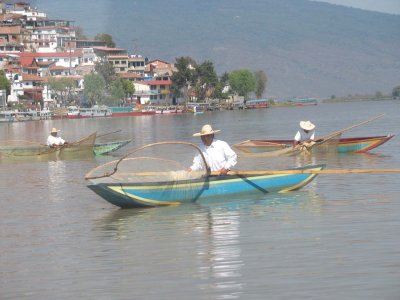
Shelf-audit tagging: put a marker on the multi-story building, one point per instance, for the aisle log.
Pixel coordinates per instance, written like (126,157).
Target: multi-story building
(136,64)
(22,8)
(10,38)
(51,35)
(119,62)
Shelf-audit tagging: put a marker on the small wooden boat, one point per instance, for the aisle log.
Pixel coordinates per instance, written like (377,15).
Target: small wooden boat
(157,193)
(343,145)
(105,148)
(28,148)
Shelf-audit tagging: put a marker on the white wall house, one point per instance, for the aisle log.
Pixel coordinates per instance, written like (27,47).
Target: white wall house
(142,92)
(63,59)
(21,83)
(89,58)
(44,39)
(31,14)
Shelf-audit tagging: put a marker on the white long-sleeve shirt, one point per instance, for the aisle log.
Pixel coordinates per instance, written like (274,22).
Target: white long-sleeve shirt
(218,155)
(54,140)
(302,136)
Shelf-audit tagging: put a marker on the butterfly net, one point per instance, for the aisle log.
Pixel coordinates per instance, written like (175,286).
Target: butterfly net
(327,144)
(84,144)
(22,148)
(32,148)
(165,165)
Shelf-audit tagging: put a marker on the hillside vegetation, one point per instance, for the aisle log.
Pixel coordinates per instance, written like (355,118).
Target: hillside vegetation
(307,49)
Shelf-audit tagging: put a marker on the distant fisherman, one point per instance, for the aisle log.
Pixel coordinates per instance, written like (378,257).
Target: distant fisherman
(53,140)
(305,135)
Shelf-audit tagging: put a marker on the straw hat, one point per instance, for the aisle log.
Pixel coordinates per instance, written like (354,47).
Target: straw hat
(54,130)
(307,125)
(206,130)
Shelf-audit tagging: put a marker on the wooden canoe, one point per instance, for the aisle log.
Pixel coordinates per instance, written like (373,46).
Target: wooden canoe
(150,194)
(18,148)
(344,145)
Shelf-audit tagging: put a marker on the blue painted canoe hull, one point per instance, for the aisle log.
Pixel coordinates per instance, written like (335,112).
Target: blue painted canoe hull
(127,195)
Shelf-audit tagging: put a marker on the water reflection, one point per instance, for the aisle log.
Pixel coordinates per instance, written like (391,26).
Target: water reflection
(218,253)
(207,236)
(57,175)
(341,160)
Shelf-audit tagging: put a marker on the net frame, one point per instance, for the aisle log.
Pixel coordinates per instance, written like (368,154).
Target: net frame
(90,175)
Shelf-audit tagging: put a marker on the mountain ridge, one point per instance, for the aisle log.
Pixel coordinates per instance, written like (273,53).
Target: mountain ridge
(307,49)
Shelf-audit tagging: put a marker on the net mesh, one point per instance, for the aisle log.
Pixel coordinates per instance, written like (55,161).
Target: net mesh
(23,148)
(159,162)
(160,167)
(31,148)
(84,144)
(328,144)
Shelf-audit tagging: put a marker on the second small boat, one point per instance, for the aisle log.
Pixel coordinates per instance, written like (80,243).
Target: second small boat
(343,145)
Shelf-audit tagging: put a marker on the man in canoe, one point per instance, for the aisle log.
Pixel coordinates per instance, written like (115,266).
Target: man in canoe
(219,155)
(54,140)
(306,135)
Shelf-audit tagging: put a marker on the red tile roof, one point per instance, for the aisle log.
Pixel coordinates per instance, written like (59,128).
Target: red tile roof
(108,49)
(58,68)
(50,54)
(129,75)
(10,29)
(117,56)
(31,77)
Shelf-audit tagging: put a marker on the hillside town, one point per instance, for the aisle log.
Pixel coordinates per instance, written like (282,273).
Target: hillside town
(46,61)
(34,48)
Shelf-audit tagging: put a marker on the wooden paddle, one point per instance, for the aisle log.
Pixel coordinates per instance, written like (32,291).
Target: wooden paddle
(330,136)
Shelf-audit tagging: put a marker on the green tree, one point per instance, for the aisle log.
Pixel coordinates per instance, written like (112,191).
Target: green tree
(224,78)
(106,70)
(206,80)
(4,83)
(107,38)
(79,33)
(222,82)
(396,91)
(183,77)
(242,82)
(62,86)
(261,83)
(117,91)
(94,88)
(129,88)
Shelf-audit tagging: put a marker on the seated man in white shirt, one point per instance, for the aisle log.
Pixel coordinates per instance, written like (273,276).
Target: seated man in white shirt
(306,135)
(53,140)
(218,154)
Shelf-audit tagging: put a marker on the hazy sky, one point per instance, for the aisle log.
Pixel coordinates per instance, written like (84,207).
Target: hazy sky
(386,6)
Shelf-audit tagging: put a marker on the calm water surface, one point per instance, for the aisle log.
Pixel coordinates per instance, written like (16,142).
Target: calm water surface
(337,238)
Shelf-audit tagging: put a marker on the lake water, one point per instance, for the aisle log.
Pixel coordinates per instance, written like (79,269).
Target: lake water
(337,238)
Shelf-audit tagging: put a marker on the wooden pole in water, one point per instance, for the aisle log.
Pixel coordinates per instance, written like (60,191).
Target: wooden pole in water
(310,171)
(266,172)
(336,133)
